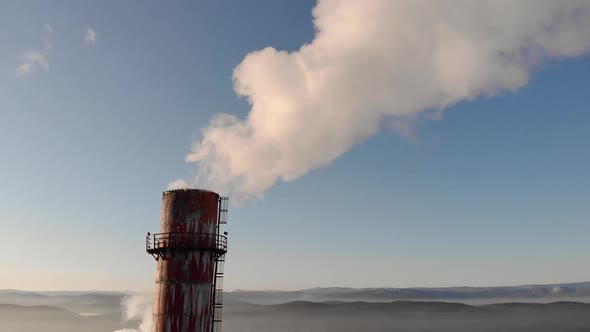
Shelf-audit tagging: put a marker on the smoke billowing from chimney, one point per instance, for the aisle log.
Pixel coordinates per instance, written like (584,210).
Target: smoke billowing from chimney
(370,61)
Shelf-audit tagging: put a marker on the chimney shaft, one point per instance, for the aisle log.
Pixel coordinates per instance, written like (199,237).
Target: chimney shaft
(188,249)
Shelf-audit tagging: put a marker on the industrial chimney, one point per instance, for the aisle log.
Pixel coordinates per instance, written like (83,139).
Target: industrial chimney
(190,252)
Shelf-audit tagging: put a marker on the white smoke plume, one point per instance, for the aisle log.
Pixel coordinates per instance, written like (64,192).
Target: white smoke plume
(373,61)
(137,307)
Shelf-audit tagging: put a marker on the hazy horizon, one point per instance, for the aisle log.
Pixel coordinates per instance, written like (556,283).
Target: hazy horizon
(526,308)
(299,289)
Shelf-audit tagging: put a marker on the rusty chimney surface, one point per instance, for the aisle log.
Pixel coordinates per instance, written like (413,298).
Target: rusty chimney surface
(190,252)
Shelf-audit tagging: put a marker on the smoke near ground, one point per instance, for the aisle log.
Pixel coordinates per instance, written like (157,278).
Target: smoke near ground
(375,63)
(137,307)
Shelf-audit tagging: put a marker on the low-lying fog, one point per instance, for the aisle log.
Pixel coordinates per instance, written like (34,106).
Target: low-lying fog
(542,308)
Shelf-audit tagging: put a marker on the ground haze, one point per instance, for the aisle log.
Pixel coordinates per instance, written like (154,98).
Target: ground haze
(560,307)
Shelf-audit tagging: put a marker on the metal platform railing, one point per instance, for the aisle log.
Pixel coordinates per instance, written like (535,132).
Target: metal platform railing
(183,240)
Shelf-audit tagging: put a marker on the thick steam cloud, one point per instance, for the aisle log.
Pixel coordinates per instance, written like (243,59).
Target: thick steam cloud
(373,61)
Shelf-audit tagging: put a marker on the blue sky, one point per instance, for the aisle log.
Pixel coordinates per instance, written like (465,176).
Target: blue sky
(493,193)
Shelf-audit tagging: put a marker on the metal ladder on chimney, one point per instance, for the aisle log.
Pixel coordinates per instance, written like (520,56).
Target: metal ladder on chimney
(218,296)
(219,266)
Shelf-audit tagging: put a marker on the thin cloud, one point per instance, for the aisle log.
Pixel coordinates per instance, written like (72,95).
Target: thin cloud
(24,69)
(48,37)
(90,37)
(32,60)
(49,28)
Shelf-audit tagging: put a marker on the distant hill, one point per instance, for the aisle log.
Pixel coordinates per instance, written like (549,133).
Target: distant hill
(396,307)
(407,316)
(78,302)
(330,316)
(13,308)
(548,293)
(107,302)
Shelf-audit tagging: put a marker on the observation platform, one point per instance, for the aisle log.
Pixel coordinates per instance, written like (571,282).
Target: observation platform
(164,245)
